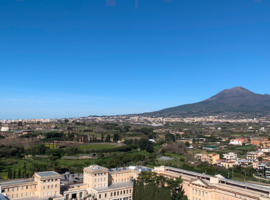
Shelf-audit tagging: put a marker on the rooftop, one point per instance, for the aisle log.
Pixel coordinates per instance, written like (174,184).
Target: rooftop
(116,185)
(16,182)
(50,173)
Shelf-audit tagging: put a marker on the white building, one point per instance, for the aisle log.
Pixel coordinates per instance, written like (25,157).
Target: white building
(235,142)
(230,156)
(4,129)
(267,150)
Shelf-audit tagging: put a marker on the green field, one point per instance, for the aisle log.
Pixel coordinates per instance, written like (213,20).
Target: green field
(240,134)
(246,147)
(97,146)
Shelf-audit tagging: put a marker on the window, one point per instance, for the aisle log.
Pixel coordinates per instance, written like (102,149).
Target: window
(114,193)
(100,196)
(35,192)
(95,180)
(17,188)
(105,194)
(44,194)
(55,185)
(17,195)
(21,194)
(30,193)
(48,193)
(51,186)
(26,194)
(52,193)
(26,187)
(48,187)
(43,187)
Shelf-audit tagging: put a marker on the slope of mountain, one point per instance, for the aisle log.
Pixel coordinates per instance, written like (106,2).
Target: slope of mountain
(237,99)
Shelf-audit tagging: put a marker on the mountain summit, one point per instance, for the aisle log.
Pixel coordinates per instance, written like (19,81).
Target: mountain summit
(237,99)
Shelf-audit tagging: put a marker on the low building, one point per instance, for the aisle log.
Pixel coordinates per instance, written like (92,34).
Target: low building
(4,128)
(258,141)
(204,187)
(228,164)
(230,156)
(99,183)
(212,158)
(235,142)
(201,157)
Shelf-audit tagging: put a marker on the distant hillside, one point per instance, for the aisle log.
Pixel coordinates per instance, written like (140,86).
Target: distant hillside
(236,100)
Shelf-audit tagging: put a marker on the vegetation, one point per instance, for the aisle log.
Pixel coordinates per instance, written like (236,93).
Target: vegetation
(152,186)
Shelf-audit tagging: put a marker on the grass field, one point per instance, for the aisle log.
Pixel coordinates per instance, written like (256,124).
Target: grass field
(240,134)
(246,147)
(97,146)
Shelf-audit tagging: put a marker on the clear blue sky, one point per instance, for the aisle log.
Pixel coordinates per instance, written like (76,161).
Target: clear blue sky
(71,58)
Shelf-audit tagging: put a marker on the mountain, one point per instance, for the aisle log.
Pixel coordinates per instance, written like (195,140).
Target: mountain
(234,100)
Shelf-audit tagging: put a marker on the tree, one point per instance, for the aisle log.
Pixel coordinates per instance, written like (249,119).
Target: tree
(115,137)
(187,144)
(149,148)
(14,174)
(66,120)
(102,137)
(108,138)
(19,173)
(260,159)
(9,173)
(170,137)
(152,186)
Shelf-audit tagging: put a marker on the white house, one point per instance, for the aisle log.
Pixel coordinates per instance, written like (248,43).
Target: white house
(267,150)
(230,156)
(4,129)
(235,142)
(152,140)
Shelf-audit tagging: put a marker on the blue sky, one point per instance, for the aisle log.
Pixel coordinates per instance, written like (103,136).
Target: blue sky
(71,58)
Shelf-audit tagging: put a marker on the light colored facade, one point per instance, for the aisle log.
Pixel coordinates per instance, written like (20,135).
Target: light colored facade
(42,185)
(230,156)
(235,142)
(227,164)
(4,129)
(119,185)
(99,183)
(212,158)
(204,187)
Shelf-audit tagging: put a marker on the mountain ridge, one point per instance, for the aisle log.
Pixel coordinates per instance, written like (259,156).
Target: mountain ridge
(235,100)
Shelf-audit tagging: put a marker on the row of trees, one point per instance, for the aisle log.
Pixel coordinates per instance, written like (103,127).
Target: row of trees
(13,174)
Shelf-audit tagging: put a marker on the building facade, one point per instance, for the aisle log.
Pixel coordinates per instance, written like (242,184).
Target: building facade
(101,183)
